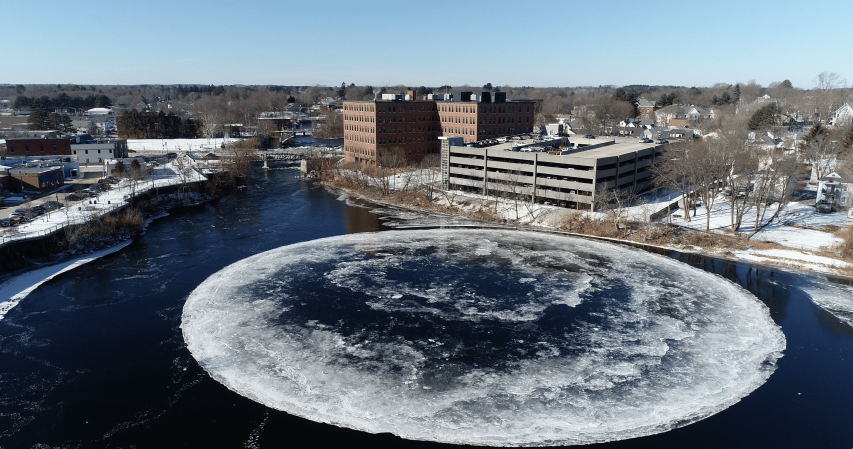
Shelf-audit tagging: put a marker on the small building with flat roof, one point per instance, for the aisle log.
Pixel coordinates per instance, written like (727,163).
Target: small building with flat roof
(36,178)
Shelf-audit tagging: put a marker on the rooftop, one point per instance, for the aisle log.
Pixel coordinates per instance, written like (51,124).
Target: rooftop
(34,169)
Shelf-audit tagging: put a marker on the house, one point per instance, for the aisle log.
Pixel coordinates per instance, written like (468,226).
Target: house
(629,127)
(681,115)
(836,189)
(680,133)
(646,108)
(843,116)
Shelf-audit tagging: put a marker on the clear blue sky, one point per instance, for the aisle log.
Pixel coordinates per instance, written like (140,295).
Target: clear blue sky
(521,43)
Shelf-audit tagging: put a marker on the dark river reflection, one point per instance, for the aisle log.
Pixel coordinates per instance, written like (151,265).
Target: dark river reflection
(96,358)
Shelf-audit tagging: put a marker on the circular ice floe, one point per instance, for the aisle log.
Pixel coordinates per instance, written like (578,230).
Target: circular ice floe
(481,337)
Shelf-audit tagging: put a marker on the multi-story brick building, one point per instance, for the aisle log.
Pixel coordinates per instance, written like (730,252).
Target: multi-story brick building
(372,128)
(646,109)
(37,146)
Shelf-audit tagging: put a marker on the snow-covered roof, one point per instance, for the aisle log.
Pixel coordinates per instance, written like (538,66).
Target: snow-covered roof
(99,111)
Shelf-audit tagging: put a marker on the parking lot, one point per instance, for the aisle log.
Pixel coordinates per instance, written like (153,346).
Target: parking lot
(75,193)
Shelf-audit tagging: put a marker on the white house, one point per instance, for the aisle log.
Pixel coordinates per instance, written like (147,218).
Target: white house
(843,116)
(836,189)
(681,115)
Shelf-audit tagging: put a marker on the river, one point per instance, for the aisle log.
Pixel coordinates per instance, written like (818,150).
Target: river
(96,358)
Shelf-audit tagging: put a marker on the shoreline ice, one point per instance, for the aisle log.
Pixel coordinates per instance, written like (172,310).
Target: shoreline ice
(14,290)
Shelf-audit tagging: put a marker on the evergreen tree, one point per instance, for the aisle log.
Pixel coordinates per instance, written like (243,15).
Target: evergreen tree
(21,102)
(38,120)
(817,132)
(764,117)
(736,98)
(120,169)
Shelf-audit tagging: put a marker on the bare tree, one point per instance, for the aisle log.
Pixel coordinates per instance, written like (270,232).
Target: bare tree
(676,171)
(429,174)
(742,179)
(774,186)
(613,202)
(388,164)
(332,127)
(710,166)
(827,94)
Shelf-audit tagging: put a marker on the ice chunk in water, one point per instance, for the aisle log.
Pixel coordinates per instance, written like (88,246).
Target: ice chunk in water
(424,335)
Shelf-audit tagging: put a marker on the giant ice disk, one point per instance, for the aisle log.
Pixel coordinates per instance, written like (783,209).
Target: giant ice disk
(481,337)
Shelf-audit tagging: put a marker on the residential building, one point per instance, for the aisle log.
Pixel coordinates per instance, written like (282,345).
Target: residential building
(38,146)
(843,116)
(96,151)
(680,115)
(646,109)
(570,177)
(633,127)
(413,126)
(836,189)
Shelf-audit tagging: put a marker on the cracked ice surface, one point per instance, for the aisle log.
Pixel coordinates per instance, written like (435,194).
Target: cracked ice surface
(481,337)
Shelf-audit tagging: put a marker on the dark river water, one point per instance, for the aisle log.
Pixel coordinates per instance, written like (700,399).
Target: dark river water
(96,357)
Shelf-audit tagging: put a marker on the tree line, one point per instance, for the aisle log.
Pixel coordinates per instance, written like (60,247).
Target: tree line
(42,120)
(62,100)
(148,124)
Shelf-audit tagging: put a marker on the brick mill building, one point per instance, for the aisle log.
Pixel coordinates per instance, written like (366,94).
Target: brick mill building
(38,146)
(412,126)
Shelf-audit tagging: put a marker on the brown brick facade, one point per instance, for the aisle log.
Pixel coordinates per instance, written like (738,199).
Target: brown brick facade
(374,127)
(21,147)
(41,179)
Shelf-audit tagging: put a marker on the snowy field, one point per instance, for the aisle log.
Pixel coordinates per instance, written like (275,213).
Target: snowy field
(798,224)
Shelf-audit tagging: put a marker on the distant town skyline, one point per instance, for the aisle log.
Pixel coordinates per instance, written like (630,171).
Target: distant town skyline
(383,43)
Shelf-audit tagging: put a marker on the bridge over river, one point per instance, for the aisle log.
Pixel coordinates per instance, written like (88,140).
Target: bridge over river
(297,153)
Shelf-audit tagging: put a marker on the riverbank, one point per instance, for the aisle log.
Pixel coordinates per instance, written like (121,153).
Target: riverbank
(18,286)
(631,229)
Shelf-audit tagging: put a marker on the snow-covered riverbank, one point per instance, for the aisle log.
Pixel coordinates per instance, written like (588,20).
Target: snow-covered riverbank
(17,288)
